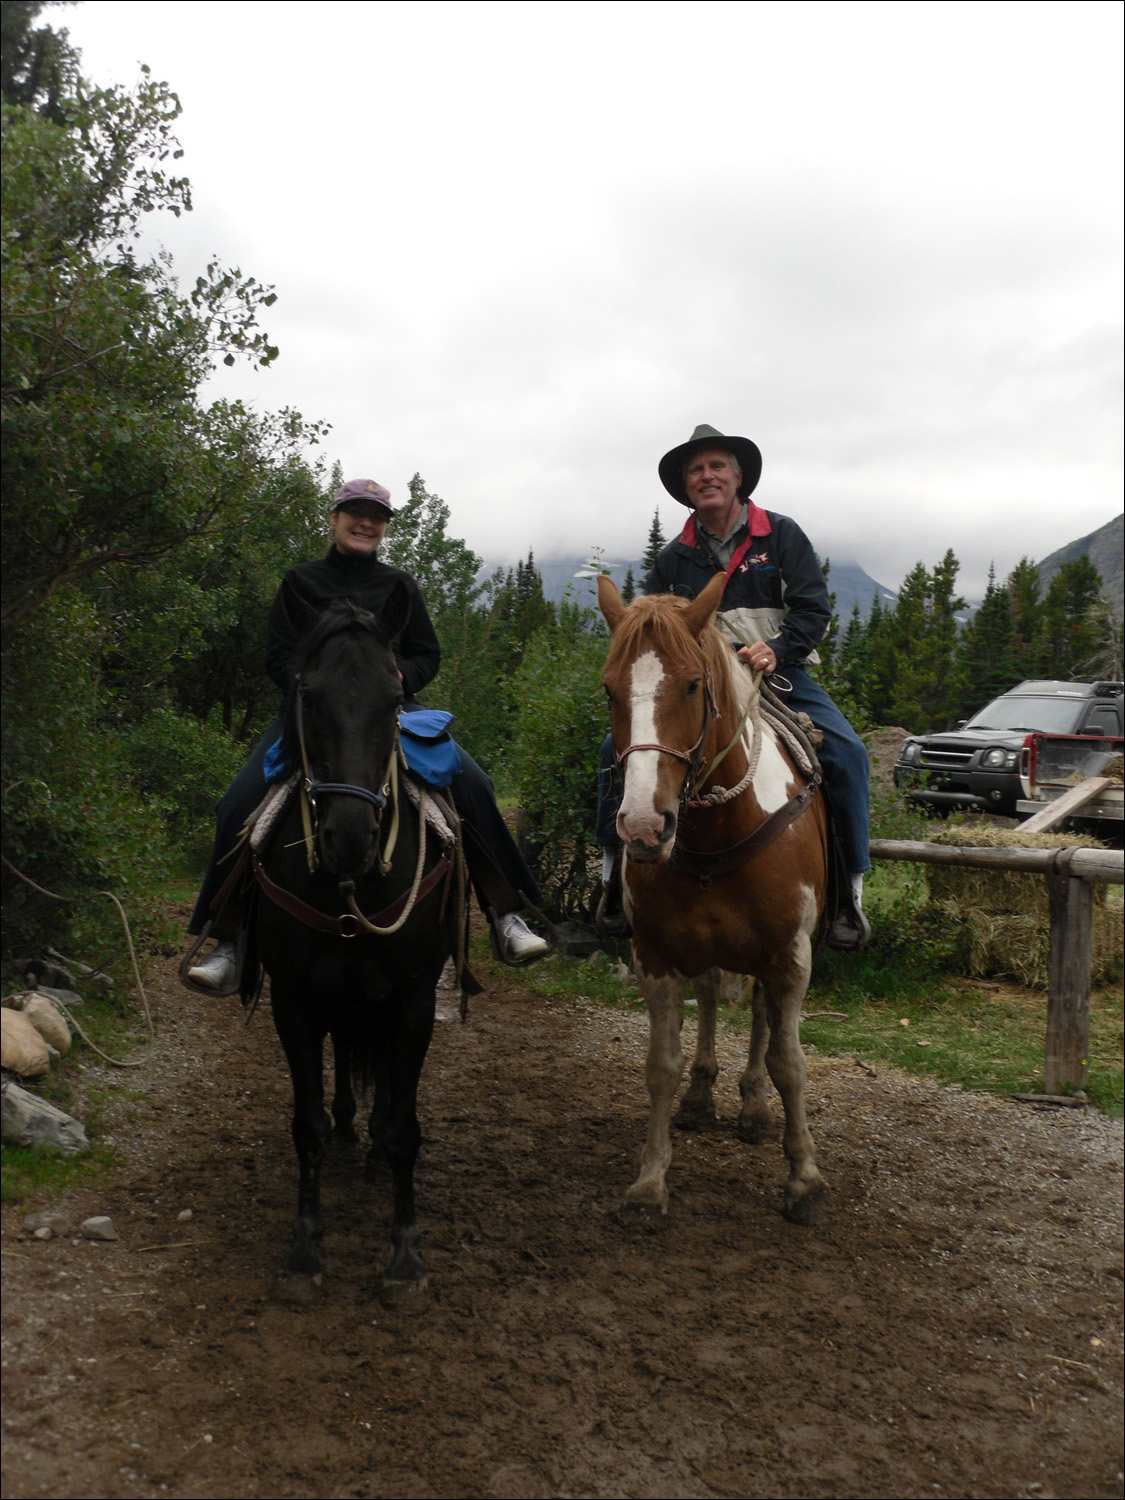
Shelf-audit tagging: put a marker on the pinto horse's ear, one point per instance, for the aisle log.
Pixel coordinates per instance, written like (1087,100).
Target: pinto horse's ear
(704,605)
(609,601)
(394,611)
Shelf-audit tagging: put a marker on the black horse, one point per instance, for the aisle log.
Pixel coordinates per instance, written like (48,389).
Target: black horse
(349,855)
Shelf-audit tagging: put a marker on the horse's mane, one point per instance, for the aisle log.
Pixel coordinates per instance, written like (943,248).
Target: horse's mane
(340,616)
(656,621)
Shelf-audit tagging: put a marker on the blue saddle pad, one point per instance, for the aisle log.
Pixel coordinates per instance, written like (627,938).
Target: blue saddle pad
(427,745)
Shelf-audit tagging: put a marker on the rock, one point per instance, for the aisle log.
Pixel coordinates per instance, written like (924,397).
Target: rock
(100,1227)
(184,1216)
(31,1121)
(70,998)
(576,940)
(89,976)
(43,1234)
(51,1221)
(40,973)
(22,1049)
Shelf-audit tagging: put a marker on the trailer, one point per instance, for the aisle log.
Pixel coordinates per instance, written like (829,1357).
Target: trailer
(1073,781)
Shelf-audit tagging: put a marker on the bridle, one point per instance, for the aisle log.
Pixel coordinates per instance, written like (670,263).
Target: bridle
(312,789)
(694,758)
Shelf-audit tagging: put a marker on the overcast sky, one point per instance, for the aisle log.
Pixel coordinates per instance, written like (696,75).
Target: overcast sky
(523,249)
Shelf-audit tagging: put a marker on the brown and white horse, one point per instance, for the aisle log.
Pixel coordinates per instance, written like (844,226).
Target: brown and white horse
(726,847)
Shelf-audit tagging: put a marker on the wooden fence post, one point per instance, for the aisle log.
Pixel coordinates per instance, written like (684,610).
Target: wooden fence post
(1068,986)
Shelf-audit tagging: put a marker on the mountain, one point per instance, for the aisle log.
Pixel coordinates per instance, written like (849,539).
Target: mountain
(1104,549)
(846,580)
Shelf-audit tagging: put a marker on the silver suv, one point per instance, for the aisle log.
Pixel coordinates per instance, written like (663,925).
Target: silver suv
(977,766)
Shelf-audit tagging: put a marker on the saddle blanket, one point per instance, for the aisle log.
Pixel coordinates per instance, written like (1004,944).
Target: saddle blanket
(427,747)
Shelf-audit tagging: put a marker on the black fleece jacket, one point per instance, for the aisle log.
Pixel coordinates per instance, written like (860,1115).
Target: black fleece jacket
(366,582)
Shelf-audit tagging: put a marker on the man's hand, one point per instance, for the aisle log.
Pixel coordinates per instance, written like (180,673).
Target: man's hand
(759,657)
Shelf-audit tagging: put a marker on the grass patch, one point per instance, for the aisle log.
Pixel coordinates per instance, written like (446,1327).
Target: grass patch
(978,1034)
(902,1001)
(35,1175)
(39,1174)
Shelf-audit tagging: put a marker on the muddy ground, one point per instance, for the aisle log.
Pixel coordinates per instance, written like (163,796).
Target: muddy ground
(955,1329)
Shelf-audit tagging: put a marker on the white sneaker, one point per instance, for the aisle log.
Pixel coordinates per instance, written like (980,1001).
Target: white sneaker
(515,941)
(219,971)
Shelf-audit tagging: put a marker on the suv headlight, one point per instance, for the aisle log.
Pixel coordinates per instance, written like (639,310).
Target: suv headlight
(996,759)
(911,753)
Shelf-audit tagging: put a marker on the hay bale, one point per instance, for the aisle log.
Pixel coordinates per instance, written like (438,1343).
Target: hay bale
(999,891)
(1005,914)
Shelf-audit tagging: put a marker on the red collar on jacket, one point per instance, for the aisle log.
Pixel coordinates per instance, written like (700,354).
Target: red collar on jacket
(757,524)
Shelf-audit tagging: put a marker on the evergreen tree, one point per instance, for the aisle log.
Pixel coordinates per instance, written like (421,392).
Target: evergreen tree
(655,545)
(629,587)
(882,663)
(826,647)
(1069,628)
(850,677)
(986,655)
(1025,610)
(940,697)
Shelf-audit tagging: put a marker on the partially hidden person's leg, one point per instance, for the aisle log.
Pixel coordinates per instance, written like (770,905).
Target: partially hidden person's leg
(497,869)
(847,776)
(218,971)
(610,919)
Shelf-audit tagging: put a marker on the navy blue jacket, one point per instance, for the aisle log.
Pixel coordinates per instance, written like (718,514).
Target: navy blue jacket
(775,590)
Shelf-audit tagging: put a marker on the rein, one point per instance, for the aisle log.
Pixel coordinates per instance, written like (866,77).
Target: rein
(693,758)
(312,789)
(350,924)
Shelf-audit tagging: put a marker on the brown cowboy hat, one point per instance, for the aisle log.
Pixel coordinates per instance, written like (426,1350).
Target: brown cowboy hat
(672,464)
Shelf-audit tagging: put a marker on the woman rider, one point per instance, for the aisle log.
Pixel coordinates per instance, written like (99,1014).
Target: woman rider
(351,569)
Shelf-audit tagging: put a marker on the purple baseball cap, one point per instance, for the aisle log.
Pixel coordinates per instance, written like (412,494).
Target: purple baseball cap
(362,489)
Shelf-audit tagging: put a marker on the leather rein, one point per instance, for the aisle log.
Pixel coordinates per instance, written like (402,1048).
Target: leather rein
(707,865)
(693,758)
(353,923)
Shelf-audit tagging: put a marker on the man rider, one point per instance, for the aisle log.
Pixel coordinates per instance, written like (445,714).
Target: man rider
(776,602)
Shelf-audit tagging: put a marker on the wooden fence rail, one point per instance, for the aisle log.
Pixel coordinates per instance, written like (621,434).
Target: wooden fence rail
(1071,875)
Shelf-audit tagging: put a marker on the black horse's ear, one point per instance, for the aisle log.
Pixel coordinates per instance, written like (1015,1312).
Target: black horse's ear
(395,610)
(299,612)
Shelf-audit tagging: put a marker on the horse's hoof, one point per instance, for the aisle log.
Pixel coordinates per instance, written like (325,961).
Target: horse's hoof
(757,1130)
(810,1207)
(692,1116)
(406,1296)
(636,1206)
(300,1290)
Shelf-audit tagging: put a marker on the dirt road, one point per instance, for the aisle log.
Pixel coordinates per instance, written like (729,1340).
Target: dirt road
(954,1330)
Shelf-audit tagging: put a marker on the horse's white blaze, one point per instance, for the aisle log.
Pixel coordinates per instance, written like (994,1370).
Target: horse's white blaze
(638,818)
(772,779)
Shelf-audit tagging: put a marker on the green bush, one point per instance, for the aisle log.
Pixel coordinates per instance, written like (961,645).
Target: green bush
(73,821)
(560,725)
(183,767)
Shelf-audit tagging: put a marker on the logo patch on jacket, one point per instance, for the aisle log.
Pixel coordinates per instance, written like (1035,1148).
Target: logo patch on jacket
(755,560)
